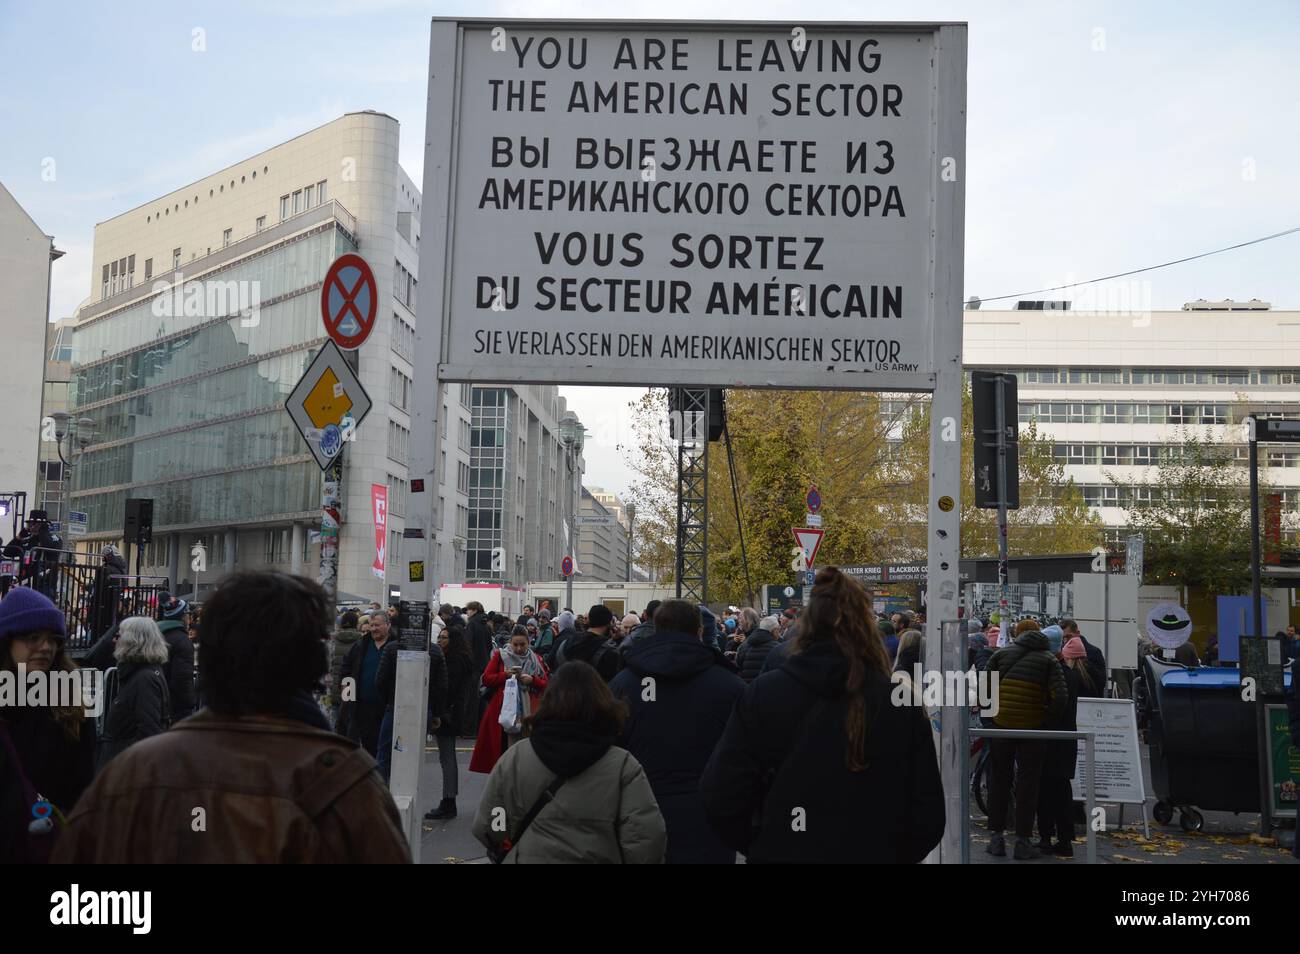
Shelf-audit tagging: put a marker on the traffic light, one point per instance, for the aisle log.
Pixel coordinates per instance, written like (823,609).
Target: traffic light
(984,396)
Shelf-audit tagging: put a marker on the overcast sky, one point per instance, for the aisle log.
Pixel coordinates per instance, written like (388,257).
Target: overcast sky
(1101,136)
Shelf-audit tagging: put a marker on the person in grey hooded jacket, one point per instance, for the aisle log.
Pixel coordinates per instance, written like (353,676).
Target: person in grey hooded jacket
(595,805)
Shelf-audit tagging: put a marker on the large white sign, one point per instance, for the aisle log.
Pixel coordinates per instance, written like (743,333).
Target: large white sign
(1118,759)
(646,203)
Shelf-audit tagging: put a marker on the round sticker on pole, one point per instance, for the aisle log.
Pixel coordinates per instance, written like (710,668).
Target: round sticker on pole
(1169,626)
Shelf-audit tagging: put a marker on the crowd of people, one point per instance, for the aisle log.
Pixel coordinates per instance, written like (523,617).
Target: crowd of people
(674,735)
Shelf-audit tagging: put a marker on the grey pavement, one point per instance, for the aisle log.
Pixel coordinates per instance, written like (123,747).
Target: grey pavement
(450,842)
(1225,839)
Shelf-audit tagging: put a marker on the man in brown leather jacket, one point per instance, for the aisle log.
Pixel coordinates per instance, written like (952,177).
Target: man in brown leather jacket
(256,775)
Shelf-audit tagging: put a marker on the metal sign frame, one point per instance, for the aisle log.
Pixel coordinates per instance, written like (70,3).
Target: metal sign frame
(946,110)
(945,215)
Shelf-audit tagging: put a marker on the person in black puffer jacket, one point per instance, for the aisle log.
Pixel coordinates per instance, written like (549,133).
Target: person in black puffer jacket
(1031,694)
(593,646)
(754,651)
(672,730)
(140,707)
(174,626)
(818,739)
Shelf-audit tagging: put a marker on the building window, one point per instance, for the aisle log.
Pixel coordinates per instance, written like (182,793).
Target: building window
(261,222)
(176,259)
(462,477)
(308,194)
(275,545)
(148,269)
(103,293)
(442,478)
(320,192)
(284,207)
(394,549)
(297,202)
(464,435)
(130,271)
(225,237)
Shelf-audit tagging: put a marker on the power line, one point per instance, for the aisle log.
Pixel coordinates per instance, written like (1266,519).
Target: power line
(1149,268)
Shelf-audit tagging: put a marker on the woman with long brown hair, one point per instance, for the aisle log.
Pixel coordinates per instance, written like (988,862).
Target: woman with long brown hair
(817,764)
(47,752)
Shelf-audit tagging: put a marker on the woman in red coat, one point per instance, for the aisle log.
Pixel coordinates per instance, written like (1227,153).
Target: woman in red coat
(516,660)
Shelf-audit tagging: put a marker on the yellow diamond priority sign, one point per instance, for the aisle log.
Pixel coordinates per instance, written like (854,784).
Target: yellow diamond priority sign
(328,404)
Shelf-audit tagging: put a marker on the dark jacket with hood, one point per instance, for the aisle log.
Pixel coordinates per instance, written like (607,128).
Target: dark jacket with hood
(140,708)
(643,631)
(179,668)
(783,758)
(480,641)
(598,649)
(673,735)
(1031,689)
(753,653)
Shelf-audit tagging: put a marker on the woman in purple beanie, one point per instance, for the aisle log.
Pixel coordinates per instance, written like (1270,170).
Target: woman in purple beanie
(47,752)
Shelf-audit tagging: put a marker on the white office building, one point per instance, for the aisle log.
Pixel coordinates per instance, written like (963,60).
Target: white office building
(186,406)
(26,254)
(1113,391)
(602,542)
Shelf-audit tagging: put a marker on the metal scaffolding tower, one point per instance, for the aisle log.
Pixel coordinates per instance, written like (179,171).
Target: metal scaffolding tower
(689,409)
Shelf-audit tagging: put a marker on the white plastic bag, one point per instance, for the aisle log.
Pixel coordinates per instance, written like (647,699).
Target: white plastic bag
(509,718)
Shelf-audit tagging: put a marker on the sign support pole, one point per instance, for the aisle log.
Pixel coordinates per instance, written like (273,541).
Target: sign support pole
(418,576)
(330,529)
(1004,605)
(945,490)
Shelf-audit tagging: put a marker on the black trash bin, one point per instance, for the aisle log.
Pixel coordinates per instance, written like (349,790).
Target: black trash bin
(1202,740)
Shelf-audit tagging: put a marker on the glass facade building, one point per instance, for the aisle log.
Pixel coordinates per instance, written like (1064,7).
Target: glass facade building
(188,399)
(487,483)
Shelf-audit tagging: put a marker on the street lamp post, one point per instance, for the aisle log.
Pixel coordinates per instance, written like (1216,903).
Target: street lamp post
(571,434)
(631,522)
(79,433)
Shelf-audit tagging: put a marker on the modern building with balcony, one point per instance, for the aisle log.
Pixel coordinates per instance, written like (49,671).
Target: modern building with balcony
(204,313)
(603,543)
(1117,393)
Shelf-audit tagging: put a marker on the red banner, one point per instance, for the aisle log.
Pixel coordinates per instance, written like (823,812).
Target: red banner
(379,505)
(1273,528)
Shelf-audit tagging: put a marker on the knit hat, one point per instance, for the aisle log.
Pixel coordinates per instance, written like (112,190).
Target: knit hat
(1073,649)
(1054,636)
(178,607)
(975,628)
(731,625)
(24,610)
(1026,626)
(631,621)
(564,621)
(769,623)
(599,615)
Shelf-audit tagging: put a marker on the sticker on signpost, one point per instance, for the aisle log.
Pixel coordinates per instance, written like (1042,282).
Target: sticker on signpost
(328,404)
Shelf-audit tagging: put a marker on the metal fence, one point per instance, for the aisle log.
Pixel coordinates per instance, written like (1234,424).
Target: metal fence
(91,600)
